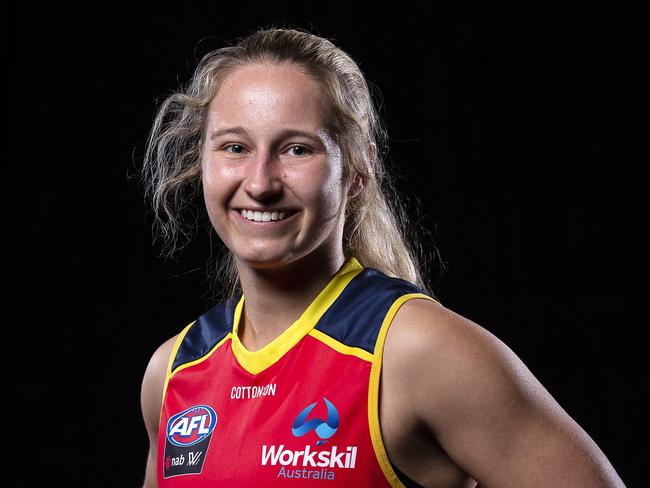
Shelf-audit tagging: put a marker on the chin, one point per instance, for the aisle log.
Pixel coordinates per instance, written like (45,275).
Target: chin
(260,260)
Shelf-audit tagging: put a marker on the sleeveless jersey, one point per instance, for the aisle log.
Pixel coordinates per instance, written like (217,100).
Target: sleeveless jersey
(301,410)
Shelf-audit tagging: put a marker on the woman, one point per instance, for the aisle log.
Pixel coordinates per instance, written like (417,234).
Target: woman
(330,361)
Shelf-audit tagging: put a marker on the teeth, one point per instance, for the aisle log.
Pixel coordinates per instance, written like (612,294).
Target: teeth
(258,216)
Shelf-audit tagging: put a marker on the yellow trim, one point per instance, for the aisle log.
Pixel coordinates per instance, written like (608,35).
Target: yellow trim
(170,361)
(202,358)
(256,361)
(340,347)
(373,391)
(183,366)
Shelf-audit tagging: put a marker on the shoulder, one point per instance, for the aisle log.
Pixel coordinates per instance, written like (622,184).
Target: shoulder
(153,383)
(151,402)
(483,405)
(456,366)
(157,366)
(423,327)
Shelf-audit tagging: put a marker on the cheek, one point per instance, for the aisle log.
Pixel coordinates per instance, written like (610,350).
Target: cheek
(218,185)
(218,182)
(332,194)
(325,189)
(332,183)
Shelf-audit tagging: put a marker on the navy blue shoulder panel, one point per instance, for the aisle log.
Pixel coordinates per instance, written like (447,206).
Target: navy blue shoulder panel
(355,318)
(206,332)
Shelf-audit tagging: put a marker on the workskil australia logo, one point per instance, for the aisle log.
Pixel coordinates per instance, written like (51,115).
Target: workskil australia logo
(188,437)
(311,463)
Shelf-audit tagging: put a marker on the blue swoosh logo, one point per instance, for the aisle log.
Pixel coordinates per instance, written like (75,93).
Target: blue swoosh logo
(324,428)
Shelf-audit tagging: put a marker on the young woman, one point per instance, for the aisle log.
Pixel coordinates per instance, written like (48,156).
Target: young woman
(330,364)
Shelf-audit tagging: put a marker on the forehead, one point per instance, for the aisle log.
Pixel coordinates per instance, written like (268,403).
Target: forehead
(269,93)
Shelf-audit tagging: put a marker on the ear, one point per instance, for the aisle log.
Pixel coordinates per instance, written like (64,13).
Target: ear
(372,151)
(356,186)
(358,181)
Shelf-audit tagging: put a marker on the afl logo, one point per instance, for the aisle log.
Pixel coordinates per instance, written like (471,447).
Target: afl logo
(191,426)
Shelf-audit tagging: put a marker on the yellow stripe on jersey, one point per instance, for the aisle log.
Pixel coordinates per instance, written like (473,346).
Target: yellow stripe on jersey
(340,347)
(172,356)
(373,390)
(201,359)
(257,361)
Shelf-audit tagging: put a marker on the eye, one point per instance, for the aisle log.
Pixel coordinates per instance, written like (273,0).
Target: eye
(298,151)
(235,149)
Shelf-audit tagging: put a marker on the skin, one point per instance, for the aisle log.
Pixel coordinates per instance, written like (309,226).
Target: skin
(477,414)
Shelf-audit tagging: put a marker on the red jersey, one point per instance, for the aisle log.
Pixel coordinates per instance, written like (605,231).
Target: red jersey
(301,410)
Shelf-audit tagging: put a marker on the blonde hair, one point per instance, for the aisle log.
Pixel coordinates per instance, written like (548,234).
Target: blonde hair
(375,230)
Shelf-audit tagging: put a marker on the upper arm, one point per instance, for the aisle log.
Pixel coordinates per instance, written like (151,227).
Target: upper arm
(151,396)
(486,409)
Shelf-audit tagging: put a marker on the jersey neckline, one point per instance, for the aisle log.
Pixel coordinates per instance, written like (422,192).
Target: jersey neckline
(257,361)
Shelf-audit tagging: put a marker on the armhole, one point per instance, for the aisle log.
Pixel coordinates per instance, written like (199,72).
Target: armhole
(170,362)
(373,391)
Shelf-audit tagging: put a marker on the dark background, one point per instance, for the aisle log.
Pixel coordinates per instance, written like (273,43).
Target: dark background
(523,132)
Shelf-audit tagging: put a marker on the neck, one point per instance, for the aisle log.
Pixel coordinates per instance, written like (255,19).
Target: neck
(277,297)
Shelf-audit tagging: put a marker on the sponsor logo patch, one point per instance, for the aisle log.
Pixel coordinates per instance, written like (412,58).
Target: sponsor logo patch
(310,463)
(187,440)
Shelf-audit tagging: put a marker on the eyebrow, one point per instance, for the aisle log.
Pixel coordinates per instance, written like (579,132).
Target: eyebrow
(283,134)
(228,130)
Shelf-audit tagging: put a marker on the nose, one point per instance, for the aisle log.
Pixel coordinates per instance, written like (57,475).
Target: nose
(263,180)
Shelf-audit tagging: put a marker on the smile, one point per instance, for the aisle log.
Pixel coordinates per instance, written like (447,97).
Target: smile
(257,216)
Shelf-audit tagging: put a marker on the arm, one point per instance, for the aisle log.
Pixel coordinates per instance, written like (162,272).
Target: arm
(485,408)
(151,402)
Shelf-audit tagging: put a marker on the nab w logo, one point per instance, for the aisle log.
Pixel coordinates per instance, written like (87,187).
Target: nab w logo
(193,458)
(323,428)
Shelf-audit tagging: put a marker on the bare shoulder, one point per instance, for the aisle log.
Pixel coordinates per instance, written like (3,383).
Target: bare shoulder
(153,383)
(421,320)
(445,354)
(484,406)
(426,330)
(151,396)
(459,369)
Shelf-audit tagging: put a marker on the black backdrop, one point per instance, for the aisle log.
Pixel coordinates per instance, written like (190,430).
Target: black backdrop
(523,133)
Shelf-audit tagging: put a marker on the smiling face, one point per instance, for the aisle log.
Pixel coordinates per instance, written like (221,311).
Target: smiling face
(272,177)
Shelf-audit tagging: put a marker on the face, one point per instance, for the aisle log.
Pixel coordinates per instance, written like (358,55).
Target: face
(272,177)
